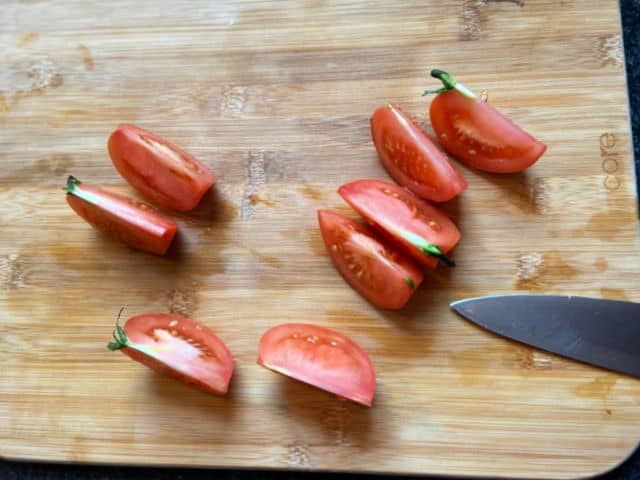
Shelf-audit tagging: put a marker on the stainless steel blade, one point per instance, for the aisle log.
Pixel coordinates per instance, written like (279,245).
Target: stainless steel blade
(600,332)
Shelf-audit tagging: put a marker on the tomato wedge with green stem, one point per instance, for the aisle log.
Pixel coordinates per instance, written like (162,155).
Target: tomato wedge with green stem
(477,133)
(177,347)
(374,268)
(129,221)
(321,357)
(418,227)
(159,170)
(412,158)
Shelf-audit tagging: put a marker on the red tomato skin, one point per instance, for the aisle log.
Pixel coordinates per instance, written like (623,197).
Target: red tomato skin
(159,170)
(411,158)
(300,362)
(390,207)
(383,281)
(140,329)
(129,221)
(481,136)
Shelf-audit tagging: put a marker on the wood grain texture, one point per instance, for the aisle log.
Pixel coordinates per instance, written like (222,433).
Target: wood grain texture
(275,97)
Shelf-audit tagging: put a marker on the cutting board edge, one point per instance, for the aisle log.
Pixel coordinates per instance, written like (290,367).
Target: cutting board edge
(37,458)
(43,458)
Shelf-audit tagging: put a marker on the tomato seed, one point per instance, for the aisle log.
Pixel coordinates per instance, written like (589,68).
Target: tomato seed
(435,225)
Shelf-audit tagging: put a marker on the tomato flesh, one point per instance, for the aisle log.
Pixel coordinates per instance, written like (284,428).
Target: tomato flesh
(320,357)
(159,170)
(129,221)
(411,157)
(407,220)
(180,348)
(481,136)
(374,268)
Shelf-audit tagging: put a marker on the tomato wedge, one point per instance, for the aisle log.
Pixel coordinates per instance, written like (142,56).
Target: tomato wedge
(134,223)
(159,170)
(177,347)
(320,357)
(411,157)
(421,229)
(478,134)
(375,269)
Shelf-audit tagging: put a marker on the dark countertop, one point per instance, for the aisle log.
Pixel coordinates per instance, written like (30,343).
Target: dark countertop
(630,470)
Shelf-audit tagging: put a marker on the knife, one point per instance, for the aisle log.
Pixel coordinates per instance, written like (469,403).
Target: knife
(600,332)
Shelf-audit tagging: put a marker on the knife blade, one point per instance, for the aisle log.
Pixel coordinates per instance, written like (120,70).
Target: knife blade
(600,332)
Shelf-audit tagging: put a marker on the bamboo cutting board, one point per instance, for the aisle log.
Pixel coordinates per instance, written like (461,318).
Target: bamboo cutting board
(275,97)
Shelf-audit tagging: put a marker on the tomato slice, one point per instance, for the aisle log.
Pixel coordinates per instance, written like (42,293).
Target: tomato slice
(421,229)
(375,269)
(411,157)
(177,347)
(129,221)
(159,170)
(320,357)
(478,134)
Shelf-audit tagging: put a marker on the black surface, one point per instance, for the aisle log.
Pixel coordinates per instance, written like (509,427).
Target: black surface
(630,470)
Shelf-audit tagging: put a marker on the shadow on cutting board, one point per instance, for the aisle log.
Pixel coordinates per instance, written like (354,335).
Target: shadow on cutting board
(173,393)
(335,420)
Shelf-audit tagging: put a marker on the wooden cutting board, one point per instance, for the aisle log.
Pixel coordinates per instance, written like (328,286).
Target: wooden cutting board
(276,98)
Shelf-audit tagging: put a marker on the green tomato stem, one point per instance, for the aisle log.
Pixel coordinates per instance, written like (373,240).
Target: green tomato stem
(409,281)
(122,341)
(433,251)
(72,182)
(119,336)
(72,189)
(449,83)
(425,247)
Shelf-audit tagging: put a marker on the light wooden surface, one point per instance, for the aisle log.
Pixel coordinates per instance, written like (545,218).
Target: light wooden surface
(276,98)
